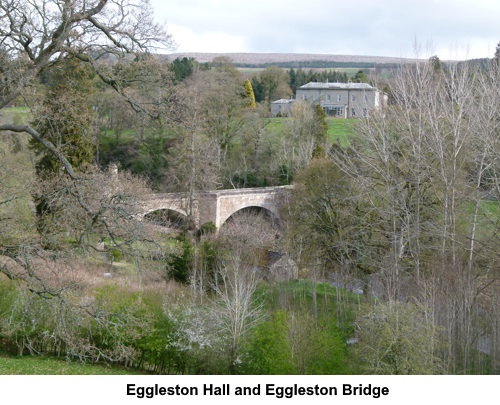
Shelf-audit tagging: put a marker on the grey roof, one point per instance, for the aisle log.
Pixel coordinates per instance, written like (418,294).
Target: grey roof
(339,86)
(283,101)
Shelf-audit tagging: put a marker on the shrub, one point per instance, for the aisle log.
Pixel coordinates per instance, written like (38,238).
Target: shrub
(207,228)
(179,265)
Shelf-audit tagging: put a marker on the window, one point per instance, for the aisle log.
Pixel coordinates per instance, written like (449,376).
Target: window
(365,112)
(366,98)
(353,112)
(339,98)
(334,111)
(328,97)
(353,98)
(303,96)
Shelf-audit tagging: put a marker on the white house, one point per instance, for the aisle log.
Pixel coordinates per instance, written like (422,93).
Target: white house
(281,107)
(344,100)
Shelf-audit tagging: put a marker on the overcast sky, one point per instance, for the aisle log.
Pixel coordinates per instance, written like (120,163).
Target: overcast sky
(457,29)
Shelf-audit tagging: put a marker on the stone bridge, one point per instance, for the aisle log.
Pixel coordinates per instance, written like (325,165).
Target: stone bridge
(217,206)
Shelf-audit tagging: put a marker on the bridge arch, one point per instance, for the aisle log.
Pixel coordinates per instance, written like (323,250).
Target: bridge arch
(170,217)
(164,208)
(230,206)
(272,213)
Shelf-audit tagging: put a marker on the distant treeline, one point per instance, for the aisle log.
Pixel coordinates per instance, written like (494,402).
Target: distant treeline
(300,77)
(319,64)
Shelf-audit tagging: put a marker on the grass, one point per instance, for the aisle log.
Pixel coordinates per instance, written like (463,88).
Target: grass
(109,137)
(39,365)
(340,129)
(17,115)
(332,302)
(488,217)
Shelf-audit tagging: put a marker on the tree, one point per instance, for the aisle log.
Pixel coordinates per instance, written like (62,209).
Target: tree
(38,37)
(436,63)
(275,83)
(396,338)
(360,77)
(65,118)
(183,68)
(325,232)
(497,53)
(192,148)
(38,30)
(321,126)
(223,109)
(304,131)
(249,94)
(240,310)
(422,165)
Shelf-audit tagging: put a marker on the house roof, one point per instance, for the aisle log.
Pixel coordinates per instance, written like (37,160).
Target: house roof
(337,86)
(283,101)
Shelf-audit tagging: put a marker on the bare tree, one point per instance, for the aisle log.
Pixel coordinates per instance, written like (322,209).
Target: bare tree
(239,310)
(37,35)
(427,169)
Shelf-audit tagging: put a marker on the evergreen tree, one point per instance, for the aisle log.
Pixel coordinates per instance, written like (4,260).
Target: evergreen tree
(249,94)
(436,64)
(258,89)
(183,68)
(497,53)
(293,80)
(320,124)
(360,77)
(65,117)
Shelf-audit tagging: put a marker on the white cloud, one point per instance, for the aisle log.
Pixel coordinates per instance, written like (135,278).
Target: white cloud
(189,41)
(383,28)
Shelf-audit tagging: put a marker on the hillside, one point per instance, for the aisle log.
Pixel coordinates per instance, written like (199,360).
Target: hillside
(290,58)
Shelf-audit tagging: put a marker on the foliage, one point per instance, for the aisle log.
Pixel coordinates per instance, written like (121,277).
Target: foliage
(146,157)
(397,338)
(258,89)
(325,207)
(295,343)
(360,77)
(275,83)
(207,228)
(198,342)
(65,117)
(179,265)
(249,94)
(321,126)
(268,350)
(318,152)
(183,67)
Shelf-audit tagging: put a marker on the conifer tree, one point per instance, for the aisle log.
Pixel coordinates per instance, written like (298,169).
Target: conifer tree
(249,94)
(65,117)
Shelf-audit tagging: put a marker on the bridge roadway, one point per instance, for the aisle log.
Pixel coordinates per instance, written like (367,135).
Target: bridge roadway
(217,206)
